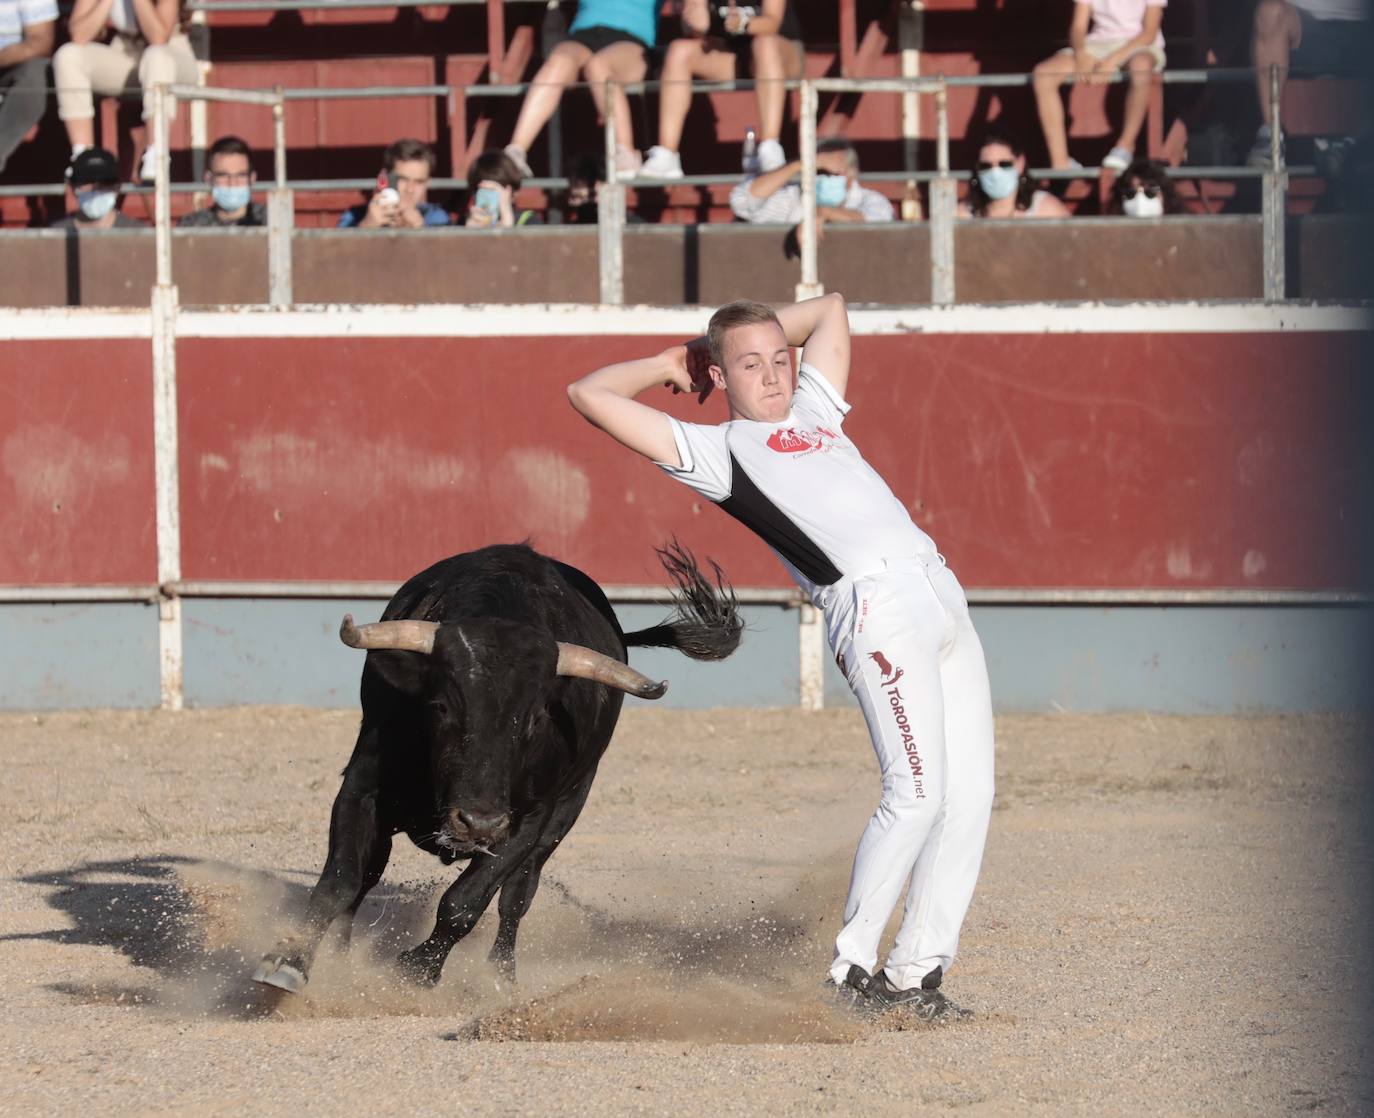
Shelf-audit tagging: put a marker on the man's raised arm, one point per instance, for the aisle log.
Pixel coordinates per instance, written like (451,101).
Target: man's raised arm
(821,327)
(606,399)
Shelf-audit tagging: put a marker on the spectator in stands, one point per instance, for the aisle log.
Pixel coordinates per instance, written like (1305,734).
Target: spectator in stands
(1104,37)
(111,42)
(1317,35)
(230,177)
(95,181)
(1145,190)
(585,174)
(773,198)
(724,42)
(1001,187)
(609,40)
(402,197)
(493,179)
(26,37)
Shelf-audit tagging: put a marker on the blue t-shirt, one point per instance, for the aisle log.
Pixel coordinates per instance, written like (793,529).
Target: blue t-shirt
(433,214)
(635,17)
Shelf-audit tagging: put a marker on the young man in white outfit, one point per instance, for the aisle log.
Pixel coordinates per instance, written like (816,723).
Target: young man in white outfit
(897,619)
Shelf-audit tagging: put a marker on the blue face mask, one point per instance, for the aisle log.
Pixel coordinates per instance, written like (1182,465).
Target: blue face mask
(831,190)
(95,204)
(231,198)
(998,182)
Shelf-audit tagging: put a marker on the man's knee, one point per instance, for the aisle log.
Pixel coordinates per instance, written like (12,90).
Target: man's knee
(1049,73)
(66,60)
(681,54)
(1140,67)
(158,64)
(767,54)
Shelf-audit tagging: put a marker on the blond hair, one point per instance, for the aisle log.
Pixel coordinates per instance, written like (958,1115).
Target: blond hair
(742,312)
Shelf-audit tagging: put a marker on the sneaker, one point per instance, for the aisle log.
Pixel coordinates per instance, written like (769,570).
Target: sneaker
(1259,155)
(876,994)
(660,163)
(517,156)
(770,156)
(1118,159)
(147,167)
(627,162)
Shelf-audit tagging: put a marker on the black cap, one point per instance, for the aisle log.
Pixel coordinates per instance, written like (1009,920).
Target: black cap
(94,165)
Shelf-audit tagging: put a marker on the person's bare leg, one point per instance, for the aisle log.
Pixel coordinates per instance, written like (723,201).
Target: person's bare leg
(81,133)
(686,60)
(559,70)
(1140,69)
(1047,78)
(1277,31)
(775,60)
(621,62)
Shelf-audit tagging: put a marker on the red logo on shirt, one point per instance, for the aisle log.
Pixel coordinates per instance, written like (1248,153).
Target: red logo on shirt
(789,440)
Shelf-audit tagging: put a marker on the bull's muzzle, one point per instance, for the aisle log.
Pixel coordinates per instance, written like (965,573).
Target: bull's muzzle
(478,826)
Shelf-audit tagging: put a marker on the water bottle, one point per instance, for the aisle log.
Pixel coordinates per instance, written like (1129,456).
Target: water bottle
(750,160)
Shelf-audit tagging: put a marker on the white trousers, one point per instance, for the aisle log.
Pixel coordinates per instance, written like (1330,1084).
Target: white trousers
(905,642)
(82,69)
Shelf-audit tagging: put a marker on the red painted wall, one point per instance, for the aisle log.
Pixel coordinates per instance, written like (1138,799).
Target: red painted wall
(76,463)
(1177,460)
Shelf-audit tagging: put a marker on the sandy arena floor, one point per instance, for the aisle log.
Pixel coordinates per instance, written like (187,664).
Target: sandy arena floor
(1173,919)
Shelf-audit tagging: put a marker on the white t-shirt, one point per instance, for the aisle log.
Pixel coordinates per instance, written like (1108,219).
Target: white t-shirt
(123,18)
(15,15)
(1121,19)
(801,486)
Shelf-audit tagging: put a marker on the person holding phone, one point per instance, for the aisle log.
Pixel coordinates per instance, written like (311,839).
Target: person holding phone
(493,179)
(401,200)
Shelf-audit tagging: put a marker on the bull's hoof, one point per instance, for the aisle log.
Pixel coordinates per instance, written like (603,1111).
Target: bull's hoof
(417,966)
(274,970)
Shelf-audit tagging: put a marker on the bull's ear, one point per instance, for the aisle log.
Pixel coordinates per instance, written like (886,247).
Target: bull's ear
(411,673)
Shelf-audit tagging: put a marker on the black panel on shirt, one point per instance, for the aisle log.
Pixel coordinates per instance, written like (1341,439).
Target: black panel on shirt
(750,507)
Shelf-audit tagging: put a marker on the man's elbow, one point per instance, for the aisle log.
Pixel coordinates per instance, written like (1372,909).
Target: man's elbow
(40,40)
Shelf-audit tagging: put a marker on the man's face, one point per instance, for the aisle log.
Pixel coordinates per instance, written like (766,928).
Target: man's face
(757,377)
(411,179)
(230,169)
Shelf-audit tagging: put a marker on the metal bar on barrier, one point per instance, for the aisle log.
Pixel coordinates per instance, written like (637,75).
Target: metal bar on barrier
(166,485)
(1274,200)
(325,5)
(757,595)
(943,209)
(810,284)
(610,217)
(281,216)
(218,93)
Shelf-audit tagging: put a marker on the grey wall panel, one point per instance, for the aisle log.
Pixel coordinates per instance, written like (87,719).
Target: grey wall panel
(242,651)
(61,657)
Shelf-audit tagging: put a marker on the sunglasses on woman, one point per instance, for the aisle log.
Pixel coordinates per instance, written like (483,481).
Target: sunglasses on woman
(1005,164)
(1149,189)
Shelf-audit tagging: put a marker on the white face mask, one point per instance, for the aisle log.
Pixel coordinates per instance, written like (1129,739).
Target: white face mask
(95,204)
(1141,205)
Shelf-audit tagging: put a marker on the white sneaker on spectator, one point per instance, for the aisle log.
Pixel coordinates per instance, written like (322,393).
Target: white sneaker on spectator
(147,167)
(517,156)
(770,156)
(627,162)
(1118,159)
(660,163)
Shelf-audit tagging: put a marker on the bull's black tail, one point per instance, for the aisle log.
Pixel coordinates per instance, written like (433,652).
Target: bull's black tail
(706,624)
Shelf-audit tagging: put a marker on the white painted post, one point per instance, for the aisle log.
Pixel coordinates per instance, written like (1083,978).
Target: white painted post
(811,645)
(810,285)
(943,208)
(281,214)
(167,500)
(1274,201)
(610,217)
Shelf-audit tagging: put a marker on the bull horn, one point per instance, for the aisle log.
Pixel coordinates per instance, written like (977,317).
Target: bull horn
(408,636)
(585,663)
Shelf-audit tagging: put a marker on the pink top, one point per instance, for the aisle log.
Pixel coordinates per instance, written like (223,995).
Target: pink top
(1121,19)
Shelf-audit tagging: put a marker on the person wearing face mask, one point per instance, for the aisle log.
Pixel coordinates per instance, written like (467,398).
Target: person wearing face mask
(95,181)
(230,177)
(1145,190)
(1001,187)
(774,198)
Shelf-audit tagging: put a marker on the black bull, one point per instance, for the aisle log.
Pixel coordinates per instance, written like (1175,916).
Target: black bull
(491,689)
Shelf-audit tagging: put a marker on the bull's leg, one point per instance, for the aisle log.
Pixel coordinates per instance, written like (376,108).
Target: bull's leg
(517,894)
(466,899)
(359,846)
(343,927)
